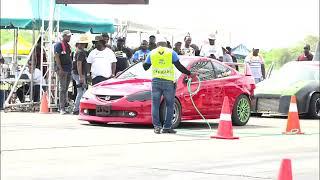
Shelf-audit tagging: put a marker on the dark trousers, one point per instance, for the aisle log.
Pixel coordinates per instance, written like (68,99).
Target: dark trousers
(98,79)
(23,90)
(74,85)
(166,89)
(3,95)
(64,81)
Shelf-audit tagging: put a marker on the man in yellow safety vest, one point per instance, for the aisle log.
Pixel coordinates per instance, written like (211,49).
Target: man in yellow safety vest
(163,60)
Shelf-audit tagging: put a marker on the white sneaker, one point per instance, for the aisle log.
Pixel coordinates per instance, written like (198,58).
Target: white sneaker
(62,112)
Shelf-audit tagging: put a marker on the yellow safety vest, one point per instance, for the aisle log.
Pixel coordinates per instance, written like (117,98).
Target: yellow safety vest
(162,66)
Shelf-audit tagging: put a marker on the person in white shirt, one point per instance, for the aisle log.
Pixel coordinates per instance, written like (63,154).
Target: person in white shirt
(187,50)
(256,63)
(102,62)
(37,76)
(226,57)
(212,50)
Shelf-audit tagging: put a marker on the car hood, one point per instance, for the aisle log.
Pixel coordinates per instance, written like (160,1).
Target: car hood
(121,87)
(279,88)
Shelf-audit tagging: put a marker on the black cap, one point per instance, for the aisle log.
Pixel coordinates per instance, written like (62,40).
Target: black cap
(97,38)
(307,46)
(105,35)
(152,36)
(121,39)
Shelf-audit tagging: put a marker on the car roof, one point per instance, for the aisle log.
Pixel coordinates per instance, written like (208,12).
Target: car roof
(315,64)
(190,59)
(305,62)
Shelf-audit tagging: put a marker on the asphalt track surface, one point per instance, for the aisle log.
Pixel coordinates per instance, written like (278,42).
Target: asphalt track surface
(52,146)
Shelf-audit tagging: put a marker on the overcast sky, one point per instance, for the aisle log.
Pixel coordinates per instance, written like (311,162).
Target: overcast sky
(256,23)
(260,23)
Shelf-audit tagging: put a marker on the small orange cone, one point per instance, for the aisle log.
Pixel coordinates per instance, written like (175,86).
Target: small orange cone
(293,124)
(44,104)
(285,170)
(225,125)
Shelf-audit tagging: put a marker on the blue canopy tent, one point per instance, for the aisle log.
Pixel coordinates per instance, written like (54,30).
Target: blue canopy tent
(102,1)
(30,16)
(241,51)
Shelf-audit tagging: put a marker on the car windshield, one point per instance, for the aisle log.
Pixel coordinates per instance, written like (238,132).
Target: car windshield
(136,71)
(295,72)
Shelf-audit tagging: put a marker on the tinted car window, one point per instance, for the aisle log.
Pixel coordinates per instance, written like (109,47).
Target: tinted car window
(221,70)
(137,71)
(204,69)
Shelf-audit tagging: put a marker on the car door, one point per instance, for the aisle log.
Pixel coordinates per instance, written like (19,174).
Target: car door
(202,99)
(216,88)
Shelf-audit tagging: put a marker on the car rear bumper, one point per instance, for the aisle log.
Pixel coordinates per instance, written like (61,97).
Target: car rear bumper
(120,111)
(271,104)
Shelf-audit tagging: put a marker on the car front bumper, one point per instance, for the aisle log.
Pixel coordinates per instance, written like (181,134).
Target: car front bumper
(120,111)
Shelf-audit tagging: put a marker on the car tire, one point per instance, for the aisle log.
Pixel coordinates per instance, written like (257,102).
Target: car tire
(177,113)
(241,111)
(314,106)
(256,114)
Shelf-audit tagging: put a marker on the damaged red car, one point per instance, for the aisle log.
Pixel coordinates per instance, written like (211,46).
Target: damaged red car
(127,98)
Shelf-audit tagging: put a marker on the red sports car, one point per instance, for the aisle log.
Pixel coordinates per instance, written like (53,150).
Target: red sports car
(127,98)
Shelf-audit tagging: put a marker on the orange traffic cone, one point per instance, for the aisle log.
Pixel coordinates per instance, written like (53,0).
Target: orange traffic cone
(285,170)
(225,125)
(44,104)
(293,124)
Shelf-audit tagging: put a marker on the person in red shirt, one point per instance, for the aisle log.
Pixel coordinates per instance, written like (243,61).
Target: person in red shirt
(306,56)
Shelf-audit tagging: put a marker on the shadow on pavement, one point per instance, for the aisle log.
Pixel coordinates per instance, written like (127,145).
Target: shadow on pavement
(183,125)
(301,117)
(122,125)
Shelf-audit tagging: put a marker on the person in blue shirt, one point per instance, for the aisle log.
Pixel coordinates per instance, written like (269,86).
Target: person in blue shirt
(141,55)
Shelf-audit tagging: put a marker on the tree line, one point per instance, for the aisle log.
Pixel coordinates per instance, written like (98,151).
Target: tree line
(280,56)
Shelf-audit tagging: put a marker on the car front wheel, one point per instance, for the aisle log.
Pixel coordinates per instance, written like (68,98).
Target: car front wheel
(241,111)
(314,107)
(176,113)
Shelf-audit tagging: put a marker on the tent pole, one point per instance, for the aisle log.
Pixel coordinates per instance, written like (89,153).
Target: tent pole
(15,53)
(58,20)
(50,28)
(172,41)
(56,39)
(32,63)
(42,50)
(6,104)
(14,50)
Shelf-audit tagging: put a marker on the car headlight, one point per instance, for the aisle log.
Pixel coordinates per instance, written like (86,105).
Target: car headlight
(139,96)
(88,95)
